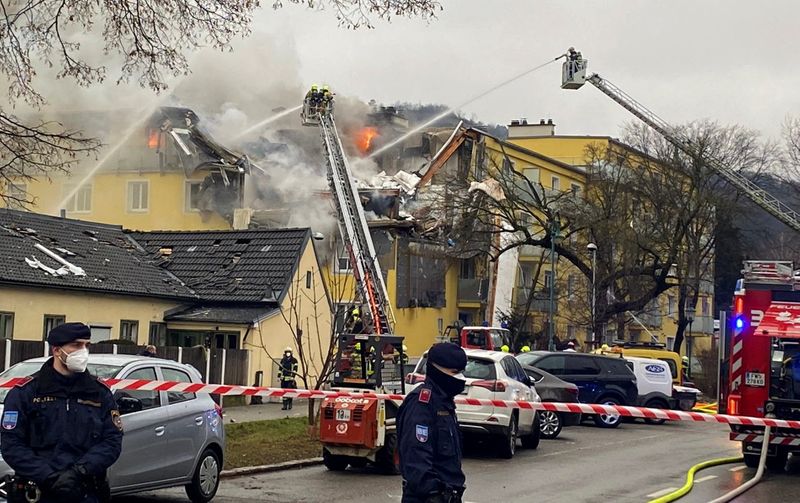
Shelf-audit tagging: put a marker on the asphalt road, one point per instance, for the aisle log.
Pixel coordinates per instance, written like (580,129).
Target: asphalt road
(630,464)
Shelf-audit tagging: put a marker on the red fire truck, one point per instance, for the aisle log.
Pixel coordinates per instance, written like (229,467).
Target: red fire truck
(764,361)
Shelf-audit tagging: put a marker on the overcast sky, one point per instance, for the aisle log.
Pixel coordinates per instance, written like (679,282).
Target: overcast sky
(732,60)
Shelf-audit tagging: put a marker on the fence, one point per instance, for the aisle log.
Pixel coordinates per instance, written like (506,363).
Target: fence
(218,366)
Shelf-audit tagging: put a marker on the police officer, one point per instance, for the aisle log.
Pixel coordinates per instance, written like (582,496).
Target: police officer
(61,429)
(287,374)
(429,441)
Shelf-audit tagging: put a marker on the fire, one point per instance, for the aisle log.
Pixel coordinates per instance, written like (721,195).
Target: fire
(365,137)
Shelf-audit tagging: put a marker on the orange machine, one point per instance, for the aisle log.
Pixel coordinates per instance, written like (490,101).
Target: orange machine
(360,430)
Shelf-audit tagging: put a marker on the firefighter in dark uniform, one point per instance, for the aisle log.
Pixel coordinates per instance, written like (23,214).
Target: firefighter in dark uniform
(429,441)
(61,429)
(287,374)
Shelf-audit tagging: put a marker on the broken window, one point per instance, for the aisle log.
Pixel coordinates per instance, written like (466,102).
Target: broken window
(81,200)
(421,269)
(193,195)
(51,321)
(129,330)
(138,195)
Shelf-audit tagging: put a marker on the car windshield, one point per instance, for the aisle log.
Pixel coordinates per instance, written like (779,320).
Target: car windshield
(29,368)
(476,368)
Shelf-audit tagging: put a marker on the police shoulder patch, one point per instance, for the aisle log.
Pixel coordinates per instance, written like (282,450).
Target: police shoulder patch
(116,419)
(10,418)
(422,433)
(425,395)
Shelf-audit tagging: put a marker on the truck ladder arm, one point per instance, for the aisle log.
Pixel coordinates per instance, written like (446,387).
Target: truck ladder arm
(355,231)
(759,196)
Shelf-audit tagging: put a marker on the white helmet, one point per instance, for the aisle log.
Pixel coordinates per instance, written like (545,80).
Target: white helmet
(288,350)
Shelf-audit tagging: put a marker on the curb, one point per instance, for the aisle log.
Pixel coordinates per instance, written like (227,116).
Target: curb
(288,465)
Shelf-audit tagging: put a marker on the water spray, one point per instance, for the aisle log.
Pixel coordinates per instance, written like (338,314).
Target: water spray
(267,121)
(453,109)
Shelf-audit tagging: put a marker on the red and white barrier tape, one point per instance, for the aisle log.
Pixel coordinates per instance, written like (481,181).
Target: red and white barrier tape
(584,408)
(753,438)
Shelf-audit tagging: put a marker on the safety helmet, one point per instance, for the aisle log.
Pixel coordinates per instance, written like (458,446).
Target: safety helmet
(314,87)
(504,348)
(604,347)
(356,311)
(357,347)
(525,349)
(405,348)
(287,350)
(685,360)
(326,88)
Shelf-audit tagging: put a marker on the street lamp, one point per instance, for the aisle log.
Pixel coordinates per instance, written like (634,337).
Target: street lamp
(690,318)
(593,251)
(555,228)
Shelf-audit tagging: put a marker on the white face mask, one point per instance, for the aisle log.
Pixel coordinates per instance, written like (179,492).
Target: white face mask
(460,376)
(77,360)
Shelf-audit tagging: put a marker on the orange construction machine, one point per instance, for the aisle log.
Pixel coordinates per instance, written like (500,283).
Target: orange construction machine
(358,430)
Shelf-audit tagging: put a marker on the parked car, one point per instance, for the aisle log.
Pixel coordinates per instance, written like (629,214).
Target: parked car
(654,382)
(497,376)
(171,438)
(552,389)
(600,379)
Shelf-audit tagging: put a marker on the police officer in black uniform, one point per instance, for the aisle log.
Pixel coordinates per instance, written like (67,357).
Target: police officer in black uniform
(61,429)
(428,437)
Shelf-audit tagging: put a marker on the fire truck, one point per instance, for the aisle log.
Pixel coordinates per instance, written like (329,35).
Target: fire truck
(478,337)
(764,361)
(358,430)
(763,369)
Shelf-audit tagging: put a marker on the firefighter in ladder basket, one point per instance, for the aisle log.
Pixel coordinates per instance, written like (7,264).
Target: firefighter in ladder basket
(288,374)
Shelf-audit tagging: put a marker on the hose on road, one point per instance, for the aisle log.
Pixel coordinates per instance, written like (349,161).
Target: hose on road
(762,461)
(679,493)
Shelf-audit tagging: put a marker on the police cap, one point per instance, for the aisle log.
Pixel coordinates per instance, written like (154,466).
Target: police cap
(68,332)
(448,355)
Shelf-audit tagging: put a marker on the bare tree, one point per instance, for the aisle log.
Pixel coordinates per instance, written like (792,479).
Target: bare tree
(359,13)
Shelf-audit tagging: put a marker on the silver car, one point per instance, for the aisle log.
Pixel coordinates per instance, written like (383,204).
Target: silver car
(171,438)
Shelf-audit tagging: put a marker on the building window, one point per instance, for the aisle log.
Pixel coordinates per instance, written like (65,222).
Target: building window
(705,306)
(129,330)
(572,283)
(532,174)
(670,343)
(555,183)
(671,305)
(308,279)
(343,260)
(51,321)
(6,325)
(548,278)
(193,196)
(158,334)
(81,201)
(17,195)
(100,333)
(138,196)
(575,189)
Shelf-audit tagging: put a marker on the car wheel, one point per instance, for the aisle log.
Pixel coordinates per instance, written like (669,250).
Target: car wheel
(509,444)
(655,404)
(751,460)
(550,424)
(206,478)
(532,441)
(333,462)
(385,459)
(778,462)
(608,420)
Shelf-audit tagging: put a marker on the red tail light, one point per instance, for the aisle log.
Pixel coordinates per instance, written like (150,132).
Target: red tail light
(496,386)
(573,391)
(218,408)
(414,378)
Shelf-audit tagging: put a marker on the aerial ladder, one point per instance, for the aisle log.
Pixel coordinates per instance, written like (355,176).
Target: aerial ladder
(574,77)
(372,292)
(357,430)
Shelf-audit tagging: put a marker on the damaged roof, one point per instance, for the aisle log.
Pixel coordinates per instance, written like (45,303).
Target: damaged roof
(220,313)
(52,252)
(229,266)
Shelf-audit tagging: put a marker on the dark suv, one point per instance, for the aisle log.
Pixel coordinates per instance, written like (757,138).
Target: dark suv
(600,379)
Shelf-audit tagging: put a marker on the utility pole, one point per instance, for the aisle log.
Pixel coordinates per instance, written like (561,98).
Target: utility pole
(593,250)
(555,228)
(690,318)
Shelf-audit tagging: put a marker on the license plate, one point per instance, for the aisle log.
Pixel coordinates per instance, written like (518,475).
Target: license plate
(343,414)
(756,379)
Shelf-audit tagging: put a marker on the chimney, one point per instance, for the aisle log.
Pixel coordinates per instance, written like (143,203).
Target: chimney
(63,213)
(521,129)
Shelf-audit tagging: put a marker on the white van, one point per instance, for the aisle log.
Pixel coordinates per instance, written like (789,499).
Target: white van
(654,380)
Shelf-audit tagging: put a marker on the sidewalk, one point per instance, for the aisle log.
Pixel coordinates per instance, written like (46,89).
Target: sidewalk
(248,413)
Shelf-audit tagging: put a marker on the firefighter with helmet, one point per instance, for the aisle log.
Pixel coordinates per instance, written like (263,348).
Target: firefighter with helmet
(525,349)
(355,324)
(287,373)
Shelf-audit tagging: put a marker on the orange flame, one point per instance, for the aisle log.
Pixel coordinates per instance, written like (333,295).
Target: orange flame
(153,139)
(364,139)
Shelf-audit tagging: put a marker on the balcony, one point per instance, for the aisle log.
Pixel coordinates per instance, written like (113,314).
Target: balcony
(541,300)
(473,290)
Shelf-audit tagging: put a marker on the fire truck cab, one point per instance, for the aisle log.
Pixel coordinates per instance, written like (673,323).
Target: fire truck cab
(764,366)
(489,338)
(357,430)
